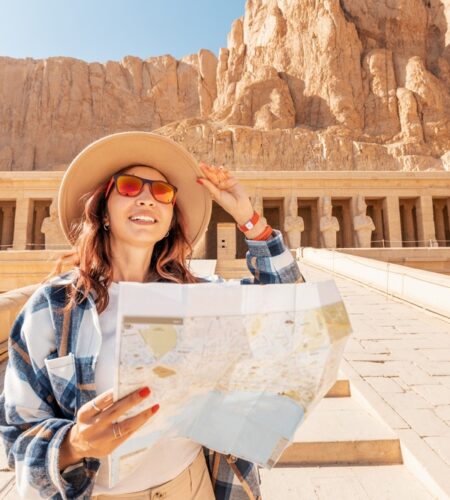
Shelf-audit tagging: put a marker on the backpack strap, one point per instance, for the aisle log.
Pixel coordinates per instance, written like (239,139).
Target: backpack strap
(64,339)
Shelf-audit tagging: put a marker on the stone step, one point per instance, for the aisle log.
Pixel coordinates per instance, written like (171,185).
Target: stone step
(343,483)
(340,389)
(340,432)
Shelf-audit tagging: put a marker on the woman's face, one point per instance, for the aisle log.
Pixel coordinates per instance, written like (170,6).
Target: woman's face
(121,208)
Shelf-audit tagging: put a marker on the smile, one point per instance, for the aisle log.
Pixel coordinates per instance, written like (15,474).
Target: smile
(142,220)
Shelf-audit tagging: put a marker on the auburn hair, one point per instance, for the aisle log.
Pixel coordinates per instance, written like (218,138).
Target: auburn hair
(92,258)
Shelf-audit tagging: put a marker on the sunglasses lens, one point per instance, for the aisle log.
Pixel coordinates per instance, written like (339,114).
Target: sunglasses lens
(128,185)
(163,192)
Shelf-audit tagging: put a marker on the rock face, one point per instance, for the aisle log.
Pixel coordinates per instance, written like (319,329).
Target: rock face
(50,109)
(302,85)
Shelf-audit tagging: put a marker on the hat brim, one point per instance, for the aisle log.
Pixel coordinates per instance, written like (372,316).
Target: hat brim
(96,163)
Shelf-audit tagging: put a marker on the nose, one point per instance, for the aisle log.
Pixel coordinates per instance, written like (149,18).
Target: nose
(145,197)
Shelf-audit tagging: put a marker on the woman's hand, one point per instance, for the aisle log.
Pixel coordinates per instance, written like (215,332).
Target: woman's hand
(227,192)
(96,434)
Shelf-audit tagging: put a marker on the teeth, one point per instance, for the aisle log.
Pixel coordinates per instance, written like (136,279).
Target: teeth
(143,217)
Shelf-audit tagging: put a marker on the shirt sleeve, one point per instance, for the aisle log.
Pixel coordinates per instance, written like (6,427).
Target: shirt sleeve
(32,425)
(270,261)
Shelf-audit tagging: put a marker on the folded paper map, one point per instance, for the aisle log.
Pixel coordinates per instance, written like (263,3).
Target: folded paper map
(235,368)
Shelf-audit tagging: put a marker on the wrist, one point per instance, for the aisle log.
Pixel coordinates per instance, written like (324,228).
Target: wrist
(257,230)
(68,454)
(244,217)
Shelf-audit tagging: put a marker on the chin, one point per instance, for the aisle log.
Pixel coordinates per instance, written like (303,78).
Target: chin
(143,238)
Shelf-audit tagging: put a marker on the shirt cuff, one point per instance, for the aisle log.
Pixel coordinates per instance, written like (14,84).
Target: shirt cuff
(72,484)
(261,248)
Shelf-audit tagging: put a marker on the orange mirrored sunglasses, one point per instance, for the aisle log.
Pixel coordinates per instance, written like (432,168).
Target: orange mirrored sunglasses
(132,185)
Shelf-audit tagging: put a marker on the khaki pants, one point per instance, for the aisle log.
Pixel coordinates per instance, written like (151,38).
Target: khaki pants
(193,483)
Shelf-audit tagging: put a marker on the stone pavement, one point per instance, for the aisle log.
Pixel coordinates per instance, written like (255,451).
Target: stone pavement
(403,353)
(394,482)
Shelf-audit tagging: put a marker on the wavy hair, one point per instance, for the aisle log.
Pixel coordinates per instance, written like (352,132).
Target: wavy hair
(92,258)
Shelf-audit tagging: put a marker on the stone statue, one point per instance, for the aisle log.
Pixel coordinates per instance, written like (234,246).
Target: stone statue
(293,224)
(363,224)
(54,237)
(329,225)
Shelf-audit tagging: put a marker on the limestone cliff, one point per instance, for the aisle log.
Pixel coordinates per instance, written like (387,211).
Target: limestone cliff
(302,85)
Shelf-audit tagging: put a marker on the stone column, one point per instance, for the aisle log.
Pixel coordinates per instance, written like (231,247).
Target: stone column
(425,222)
(448,215)
(22,222)
(392,221)
(378,221)
(38,236)
(409,225)
(347,229)
(439,222)
(315,239)
(8,226)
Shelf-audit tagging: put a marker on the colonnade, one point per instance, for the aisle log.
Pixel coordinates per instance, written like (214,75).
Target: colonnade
(339,215)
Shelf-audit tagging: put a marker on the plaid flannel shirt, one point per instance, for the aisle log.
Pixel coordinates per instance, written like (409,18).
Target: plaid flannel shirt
(51,373)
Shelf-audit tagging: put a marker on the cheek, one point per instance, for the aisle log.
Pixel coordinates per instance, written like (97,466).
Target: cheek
(117,208)
(169,216)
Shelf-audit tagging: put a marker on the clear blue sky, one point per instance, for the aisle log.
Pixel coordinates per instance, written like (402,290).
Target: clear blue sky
(99,30)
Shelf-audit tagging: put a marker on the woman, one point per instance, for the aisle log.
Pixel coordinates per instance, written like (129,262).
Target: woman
(133,205)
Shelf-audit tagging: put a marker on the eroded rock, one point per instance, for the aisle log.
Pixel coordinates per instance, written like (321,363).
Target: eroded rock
(301,85)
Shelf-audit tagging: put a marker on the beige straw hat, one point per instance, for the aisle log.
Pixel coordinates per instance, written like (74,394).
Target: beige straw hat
(98,161)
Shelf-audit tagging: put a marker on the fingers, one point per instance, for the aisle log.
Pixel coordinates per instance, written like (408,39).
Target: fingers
(213,190)
(132,424)
(94,433)
(98,404)
(220,178)
(123,405)
(215,174)
(116,433)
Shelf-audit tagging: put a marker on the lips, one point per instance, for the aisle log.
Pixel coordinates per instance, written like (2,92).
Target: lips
(143,222)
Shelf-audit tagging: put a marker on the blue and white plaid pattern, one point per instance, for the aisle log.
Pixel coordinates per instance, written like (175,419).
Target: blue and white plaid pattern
(51,374)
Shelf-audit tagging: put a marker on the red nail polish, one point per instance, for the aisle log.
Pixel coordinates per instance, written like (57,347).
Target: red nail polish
(144,392)
(154,408)
(199,181)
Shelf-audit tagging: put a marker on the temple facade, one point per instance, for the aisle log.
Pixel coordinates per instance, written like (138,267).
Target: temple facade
(312,209)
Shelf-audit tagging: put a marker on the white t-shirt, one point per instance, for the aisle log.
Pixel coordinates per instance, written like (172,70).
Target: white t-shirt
(165,459)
